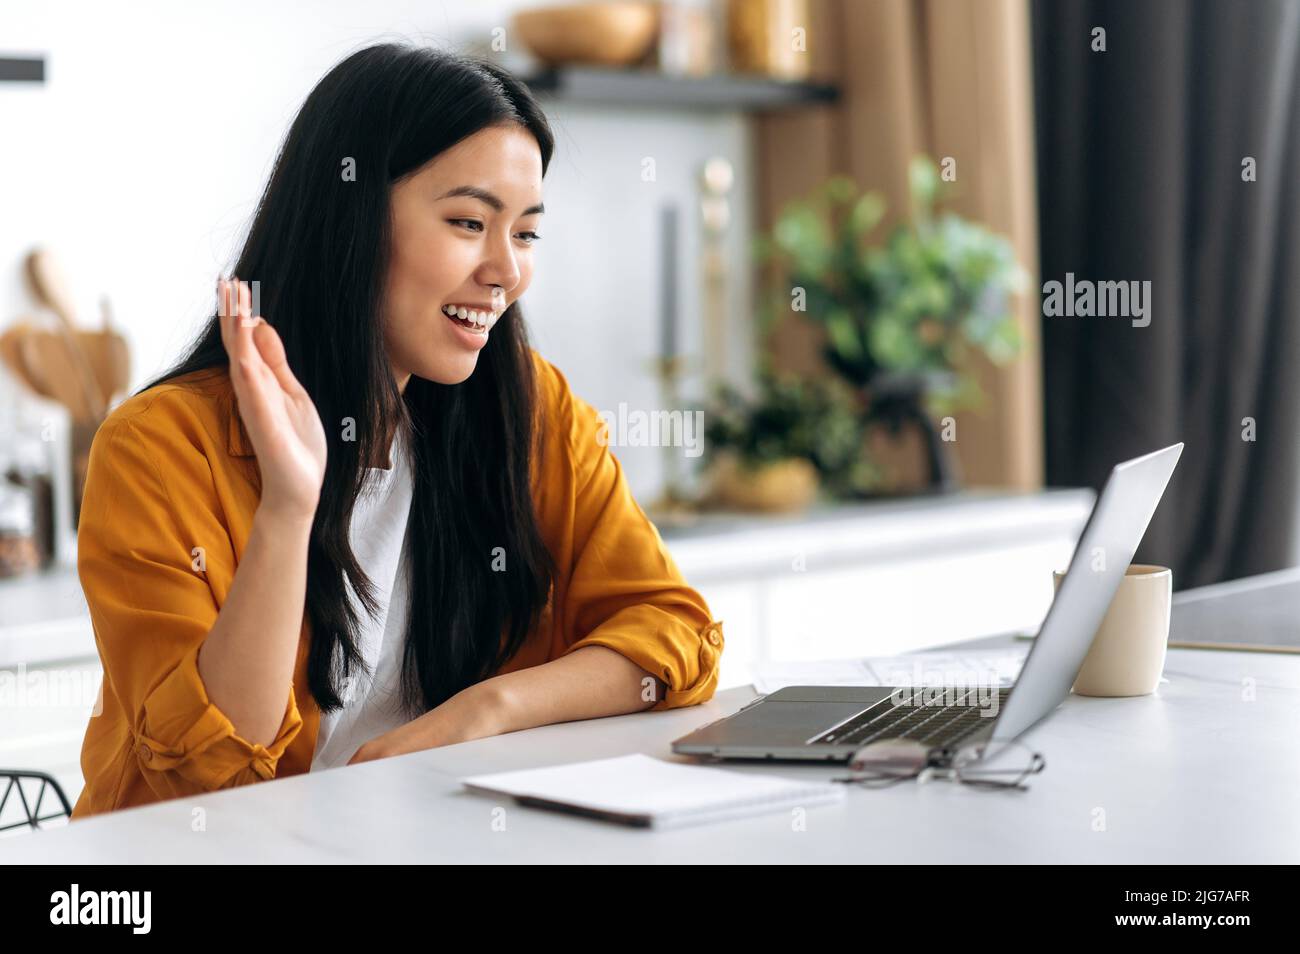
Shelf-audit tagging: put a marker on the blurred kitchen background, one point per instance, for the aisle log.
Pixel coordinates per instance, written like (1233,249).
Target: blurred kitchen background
(824,224)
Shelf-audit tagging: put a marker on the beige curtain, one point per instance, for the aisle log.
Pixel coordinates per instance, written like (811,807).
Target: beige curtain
(945,78)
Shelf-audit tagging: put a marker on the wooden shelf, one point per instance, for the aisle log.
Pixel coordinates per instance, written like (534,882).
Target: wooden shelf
(622,87)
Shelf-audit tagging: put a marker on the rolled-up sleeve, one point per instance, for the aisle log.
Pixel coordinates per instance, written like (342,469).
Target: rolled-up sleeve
(624,590)
(182,732)
(146,548)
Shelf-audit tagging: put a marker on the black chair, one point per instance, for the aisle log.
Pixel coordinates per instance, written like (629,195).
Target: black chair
(34,817)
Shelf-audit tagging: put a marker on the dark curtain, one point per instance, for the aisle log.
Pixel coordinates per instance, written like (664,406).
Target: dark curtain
(1140,152)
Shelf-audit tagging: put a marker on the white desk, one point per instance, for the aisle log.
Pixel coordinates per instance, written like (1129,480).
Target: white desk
(1198,773)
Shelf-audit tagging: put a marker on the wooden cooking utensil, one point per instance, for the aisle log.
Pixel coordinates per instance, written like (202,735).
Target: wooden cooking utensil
(11,353)
(51,289)
(49,283)
(117,356)
(107,354)
(50,366)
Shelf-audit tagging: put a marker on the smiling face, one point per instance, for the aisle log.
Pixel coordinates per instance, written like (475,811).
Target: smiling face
(463,231)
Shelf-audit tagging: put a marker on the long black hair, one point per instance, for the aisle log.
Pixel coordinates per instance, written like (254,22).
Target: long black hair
(320,246)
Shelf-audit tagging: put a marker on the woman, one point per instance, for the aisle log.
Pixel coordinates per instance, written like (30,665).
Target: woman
(365,518)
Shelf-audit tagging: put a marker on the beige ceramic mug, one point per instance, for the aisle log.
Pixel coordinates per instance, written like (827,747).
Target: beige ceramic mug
(1128,651)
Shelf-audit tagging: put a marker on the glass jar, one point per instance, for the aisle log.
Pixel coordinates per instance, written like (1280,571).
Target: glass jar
(27,492)
(19,550)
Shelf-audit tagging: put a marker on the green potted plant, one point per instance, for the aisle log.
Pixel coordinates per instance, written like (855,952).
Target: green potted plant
(899,315)
(776,450)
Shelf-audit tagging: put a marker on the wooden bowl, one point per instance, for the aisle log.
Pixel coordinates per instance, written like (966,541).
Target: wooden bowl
(601,34)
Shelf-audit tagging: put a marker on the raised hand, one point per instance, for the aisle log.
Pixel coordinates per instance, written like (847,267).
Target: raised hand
(278,414)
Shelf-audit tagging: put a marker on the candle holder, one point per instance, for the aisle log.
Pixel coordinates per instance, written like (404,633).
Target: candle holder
(675,504)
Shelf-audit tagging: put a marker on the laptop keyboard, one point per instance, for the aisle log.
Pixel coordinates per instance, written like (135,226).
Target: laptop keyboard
(936,723)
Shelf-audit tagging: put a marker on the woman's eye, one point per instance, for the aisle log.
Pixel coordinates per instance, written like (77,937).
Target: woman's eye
(476,226)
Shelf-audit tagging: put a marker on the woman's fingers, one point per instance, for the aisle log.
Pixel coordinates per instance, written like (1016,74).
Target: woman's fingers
(281,420)
(223,315)
(234,306)
(242,339)
(271,349)
(259,367)
(254,385)
(238,324)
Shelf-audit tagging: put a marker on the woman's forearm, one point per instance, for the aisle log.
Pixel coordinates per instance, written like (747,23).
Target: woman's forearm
(587,683)
(247,660)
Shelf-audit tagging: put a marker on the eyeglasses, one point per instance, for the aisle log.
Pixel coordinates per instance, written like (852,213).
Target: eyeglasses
(890,761)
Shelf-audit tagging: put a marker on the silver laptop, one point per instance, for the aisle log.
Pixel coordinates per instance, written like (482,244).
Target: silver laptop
(831,723)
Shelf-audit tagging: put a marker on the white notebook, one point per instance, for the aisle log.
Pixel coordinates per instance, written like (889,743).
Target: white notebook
(651,793)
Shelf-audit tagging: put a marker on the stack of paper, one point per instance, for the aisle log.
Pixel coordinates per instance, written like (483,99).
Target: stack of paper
(646,792)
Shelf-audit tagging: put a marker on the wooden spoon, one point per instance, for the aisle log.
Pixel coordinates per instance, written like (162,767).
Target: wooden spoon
(51,289)
(11,353)
(48,363)
(116,354)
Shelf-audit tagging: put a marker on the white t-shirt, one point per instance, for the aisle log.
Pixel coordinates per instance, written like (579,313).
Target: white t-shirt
(378,536)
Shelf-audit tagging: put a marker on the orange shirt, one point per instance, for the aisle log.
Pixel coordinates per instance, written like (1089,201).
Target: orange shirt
(171,470)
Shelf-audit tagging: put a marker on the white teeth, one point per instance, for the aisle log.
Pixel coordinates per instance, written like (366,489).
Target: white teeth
(483,320)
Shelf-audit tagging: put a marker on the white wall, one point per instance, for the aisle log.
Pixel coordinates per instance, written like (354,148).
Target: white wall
(140,159)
